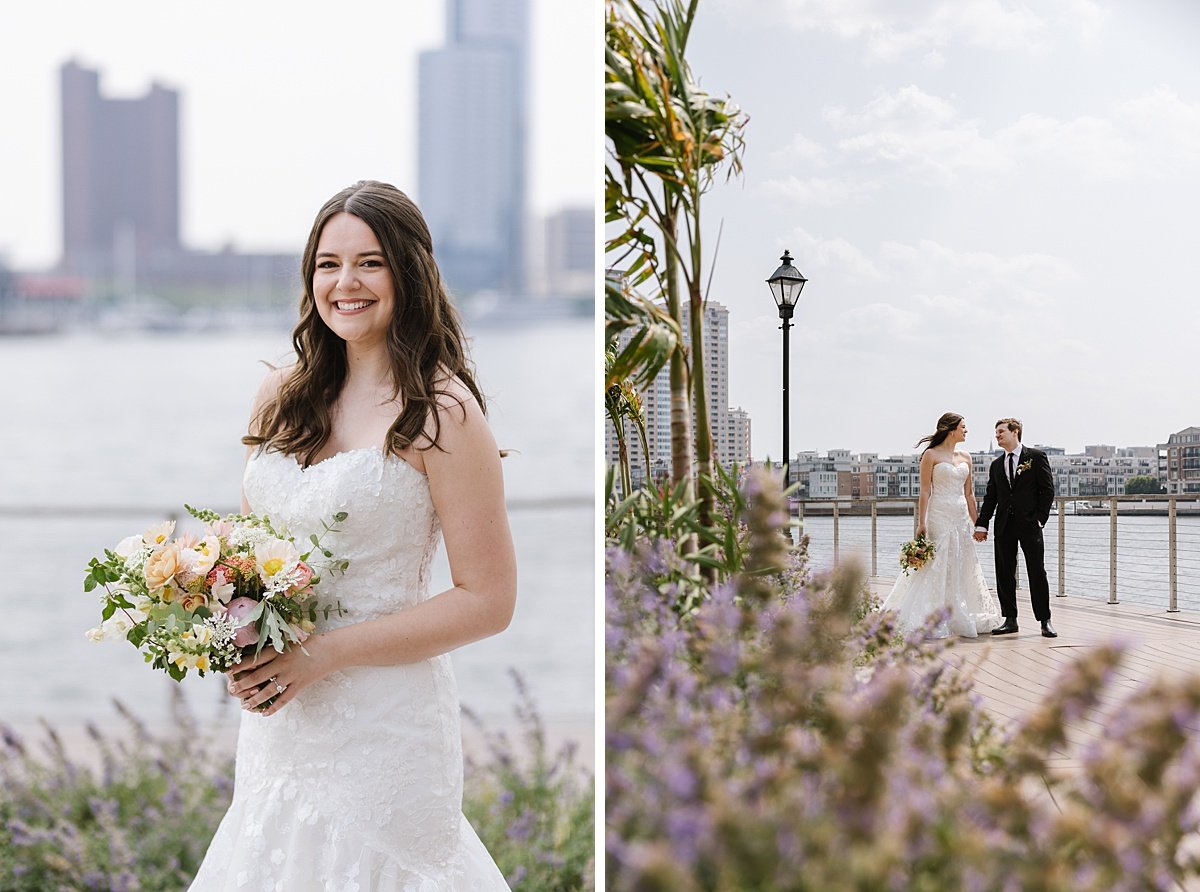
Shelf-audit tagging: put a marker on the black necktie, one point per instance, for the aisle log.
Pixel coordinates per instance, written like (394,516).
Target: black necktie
(1010,469)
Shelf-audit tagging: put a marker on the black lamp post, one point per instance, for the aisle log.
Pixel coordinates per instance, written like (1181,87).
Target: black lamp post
(786,284)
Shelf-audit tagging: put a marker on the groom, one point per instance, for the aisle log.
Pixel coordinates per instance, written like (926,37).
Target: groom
(1020,491)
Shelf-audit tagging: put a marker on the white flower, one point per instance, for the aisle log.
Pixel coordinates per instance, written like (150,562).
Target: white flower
(222,590)
(159,533)
(202,556)
(276,558)
(249,535)
(111,629)
(129,546)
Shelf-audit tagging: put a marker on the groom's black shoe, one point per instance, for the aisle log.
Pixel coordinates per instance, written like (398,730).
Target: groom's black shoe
(1009,625)
(1048,630)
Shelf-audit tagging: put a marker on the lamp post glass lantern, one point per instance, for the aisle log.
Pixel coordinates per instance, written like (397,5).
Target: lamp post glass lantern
(786,283)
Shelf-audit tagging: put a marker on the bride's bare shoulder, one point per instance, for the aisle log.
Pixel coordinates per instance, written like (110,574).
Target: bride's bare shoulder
(272,383)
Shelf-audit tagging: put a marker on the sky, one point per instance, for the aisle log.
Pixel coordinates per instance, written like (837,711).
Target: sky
(994,203)
(283,104)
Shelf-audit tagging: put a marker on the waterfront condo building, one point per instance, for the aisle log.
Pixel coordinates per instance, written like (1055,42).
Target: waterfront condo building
(1181,462)
(730,427)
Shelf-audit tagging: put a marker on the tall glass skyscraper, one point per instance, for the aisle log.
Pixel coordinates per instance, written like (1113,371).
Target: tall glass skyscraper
(473,115)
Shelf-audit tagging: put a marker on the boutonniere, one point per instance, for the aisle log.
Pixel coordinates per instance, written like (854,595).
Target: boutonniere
(1023,467)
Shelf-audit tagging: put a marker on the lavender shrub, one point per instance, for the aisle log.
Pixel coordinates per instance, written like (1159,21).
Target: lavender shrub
(784,736)
(533,808)
(139,814)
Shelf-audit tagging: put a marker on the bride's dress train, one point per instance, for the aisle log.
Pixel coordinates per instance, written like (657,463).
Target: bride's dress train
(355,785)
(953,578)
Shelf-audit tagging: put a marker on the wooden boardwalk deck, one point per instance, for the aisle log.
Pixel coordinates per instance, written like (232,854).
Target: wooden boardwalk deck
(1013,672)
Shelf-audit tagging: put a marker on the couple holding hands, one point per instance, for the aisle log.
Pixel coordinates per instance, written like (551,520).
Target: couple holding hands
(1020,492)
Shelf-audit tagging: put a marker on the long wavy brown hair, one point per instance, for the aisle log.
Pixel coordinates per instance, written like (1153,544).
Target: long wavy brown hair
(946,423)
(424,342)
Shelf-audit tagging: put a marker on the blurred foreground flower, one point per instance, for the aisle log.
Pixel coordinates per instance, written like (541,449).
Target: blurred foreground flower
(782,735)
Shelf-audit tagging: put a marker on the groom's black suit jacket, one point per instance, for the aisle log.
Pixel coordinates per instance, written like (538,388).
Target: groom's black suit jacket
(1027,502)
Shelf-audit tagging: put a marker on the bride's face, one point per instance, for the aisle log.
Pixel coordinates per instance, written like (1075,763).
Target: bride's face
(959,433)
(352,285)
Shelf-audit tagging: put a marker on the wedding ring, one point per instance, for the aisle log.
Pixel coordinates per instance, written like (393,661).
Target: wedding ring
(278,687)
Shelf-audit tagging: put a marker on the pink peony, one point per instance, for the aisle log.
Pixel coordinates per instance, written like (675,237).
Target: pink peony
(238,609)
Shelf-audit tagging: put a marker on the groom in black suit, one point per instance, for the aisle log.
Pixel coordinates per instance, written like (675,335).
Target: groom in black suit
(1020,491)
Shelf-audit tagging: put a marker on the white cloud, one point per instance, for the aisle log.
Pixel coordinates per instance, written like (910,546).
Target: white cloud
(1165,125)
(918,130)
(891,31)
(801,150)
(819,191)
(1154,134)
(834,254)
(1089,144)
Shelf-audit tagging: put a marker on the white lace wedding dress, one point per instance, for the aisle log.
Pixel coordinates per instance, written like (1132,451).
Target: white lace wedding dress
(953,578)
(356,785)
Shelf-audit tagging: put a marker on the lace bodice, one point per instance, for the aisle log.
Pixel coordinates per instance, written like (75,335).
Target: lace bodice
(390,534)
(948,480)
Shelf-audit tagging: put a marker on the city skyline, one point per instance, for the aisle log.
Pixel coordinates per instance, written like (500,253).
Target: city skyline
(276,114)
(992,205)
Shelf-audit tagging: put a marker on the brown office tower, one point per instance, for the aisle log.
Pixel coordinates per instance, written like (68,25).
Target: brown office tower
(120,177)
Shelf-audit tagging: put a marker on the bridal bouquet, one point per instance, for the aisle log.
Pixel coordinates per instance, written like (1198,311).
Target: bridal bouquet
(204,602)
(916,553)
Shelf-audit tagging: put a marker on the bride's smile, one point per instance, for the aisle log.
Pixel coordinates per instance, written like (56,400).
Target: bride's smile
(352,283)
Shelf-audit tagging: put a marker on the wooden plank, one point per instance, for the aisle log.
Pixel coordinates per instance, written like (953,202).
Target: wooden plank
(1013,673)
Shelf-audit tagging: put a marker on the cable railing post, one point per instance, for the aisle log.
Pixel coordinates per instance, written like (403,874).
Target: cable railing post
(1171,558)
(875,539)
(835,532)
(1062,548)
(1112,551)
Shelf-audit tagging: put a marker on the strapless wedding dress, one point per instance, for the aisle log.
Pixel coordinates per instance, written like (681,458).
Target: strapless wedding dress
(356,784)
(953,578)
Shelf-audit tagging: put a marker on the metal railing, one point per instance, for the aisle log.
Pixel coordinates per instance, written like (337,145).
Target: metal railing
(94,512)
(1141,547)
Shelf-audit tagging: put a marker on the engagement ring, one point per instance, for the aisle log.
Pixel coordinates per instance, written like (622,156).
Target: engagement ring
(278,687)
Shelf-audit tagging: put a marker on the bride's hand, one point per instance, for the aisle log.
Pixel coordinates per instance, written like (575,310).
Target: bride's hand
(259,679)
(921,529)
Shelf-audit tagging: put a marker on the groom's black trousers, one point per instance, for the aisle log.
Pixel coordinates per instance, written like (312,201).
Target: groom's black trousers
(1029,538)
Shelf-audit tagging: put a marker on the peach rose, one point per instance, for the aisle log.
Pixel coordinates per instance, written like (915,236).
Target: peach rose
(192,600)
(162,565)
(301,577)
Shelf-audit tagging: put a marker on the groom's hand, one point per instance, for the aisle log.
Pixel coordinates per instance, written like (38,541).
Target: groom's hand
(980,536)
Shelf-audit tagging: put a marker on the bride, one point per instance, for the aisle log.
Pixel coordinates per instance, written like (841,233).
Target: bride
(349,759)
(946,512)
